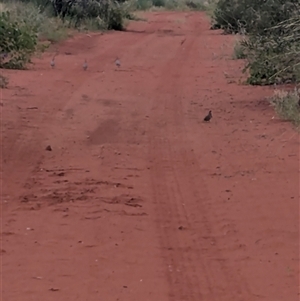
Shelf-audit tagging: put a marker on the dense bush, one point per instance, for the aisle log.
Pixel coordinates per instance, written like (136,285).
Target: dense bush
(110,14)
(271,31)
(275,56)
(17,42)
(252,15)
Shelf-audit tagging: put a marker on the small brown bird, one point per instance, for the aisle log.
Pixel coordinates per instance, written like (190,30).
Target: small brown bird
(118,62)
(85,65)
(208,117)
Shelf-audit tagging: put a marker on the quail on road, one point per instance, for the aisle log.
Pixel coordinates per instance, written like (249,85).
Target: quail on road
(85,65)
(117,62)
(52,63)
(208,117)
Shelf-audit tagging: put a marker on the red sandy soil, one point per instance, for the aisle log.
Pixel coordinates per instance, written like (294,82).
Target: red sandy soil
(139,199)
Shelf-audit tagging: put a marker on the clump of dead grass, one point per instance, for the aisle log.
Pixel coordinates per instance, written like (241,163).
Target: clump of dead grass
(239,50)
(287,105)
(3,81)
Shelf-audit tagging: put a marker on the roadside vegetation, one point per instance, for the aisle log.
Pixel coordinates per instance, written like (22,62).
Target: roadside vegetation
(269,41)
(28,26)
(170,4)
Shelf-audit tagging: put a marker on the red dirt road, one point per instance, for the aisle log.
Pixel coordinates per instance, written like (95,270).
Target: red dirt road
(139,199)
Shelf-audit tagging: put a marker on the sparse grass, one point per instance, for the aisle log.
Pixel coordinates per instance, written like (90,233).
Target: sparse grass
(134,17)
(55,31)
(210,7)
(287,106)
(92,24)
(3,81)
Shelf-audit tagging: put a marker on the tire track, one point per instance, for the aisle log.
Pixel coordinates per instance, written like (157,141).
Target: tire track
(180,195)
(185,283)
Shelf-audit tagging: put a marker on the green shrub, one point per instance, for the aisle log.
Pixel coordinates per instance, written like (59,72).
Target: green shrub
(115,18)
(106,14)
(143,4)
(275,56)
(17,42)
(159,3)
(252,15)
(37,19)
(272,37)
(197,5)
